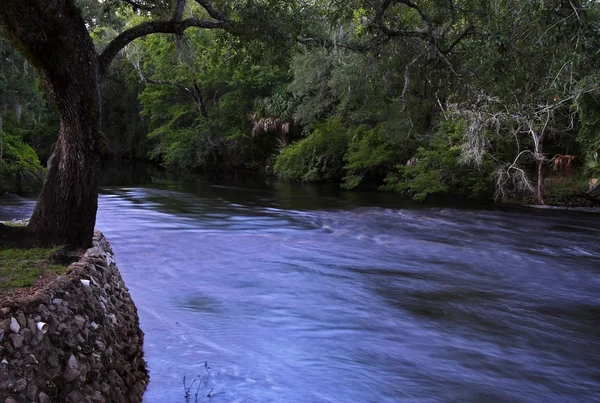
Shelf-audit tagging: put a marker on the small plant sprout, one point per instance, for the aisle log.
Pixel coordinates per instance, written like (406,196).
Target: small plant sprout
(202,380)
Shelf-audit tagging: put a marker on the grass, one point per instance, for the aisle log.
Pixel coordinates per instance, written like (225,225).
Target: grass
(14,223)
(23,267)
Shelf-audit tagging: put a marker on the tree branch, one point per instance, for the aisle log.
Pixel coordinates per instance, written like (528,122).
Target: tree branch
(468,31)
(178,13)
(139,6)
(151,27)
(426,34)
(378,21)
(210,10)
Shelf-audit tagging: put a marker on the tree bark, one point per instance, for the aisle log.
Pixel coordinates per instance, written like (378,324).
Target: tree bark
(540,181)
(538,138)
(53,37)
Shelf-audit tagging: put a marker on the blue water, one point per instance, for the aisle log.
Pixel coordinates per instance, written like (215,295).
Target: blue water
(296,295)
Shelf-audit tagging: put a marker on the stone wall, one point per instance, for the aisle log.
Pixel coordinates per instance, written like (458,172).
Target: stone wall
(77,339)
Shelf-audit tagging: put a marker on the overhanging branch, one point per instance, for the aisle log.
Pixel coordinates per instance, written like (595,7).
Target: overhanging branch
(210,10)
(151,27)
(427,33)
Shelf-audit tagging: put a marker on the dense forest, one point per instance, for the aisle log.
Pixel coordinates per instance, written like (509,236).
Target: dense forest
(468,99)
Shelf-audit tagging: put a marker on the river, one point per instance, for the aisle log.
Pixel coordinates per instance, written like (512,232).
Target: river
(304,294)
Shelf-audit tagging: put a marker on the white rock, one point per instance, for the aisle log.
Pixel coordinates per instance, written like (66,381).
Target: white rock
(73,363)
(14,325)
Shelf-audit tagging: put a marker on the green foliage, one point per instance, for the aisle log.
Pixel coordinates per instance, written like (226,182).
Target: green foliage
(24,109)
(592,165)
(559,190)
(20,168)
(312,71)
(437,170)
(371,153)
(588,108)
(229,76)
(355,100)
(318,157)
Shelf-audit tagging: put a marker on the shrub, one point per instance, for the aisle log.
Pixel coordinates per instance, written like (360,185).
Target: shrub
(438,170)
(318,157)
(371,153)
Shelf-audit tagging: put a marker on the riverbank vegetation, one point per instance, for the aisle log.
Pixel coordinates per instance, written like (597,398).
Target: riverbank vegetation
(478,100)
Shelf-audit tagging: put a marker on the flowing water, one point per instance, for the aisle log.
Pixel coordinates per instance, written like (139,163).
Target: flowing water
(294,294)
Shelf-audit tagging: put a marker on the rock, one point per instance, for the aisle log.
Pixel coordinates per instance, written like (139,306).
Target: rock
(26,333)
(5,311)
(10,400)
(17,340)
(31,326)
(73,362)
(71,375)
(98,398)
(43,398)
(21,319)
(32,391)
(105,389)
(74,397)
(44,312)
(92,351)
(31,360)
(100,346)
(19,385)
(79,321)
(14,325)
(37,339)
(53,359)
(112,318)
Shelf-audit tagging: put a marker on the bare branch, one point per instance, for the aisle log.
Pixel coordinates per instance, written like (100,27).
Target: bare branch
(407,78)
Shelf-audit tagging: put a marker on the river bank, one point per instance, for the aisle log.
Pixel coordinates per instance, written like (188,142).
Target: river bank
(74,337)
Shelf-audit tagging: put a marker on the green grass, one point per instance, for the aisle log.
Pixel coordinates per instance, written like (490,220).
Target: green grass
(14,223)
(23,267)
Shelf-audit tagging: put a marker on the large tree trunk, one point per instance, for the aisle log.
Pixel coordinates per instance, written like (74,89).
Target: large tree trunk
(52,35)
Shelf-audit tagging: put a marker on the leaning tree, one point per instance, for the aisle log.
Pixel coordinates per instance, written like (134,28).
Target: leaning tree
(54,37)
